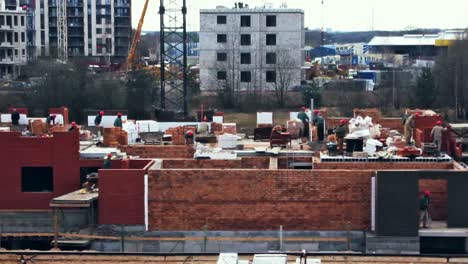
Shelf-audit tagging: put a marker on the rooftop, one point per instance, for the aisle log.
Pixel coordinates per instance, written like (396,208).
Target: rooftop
(223,10)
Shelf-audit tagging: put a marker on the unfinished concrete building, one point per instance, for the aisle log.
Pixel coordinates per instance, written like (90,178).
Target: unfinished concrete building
(13,52)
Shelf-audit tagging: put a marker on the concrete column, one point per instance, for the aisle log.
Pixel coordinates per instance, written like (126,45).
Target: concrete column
(93,26)
(46,25)
(85,26)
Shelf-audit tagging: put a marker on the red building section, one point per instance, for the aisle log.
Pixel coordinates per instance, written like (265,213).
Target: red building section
(23,111)
(28,163)
(122,193)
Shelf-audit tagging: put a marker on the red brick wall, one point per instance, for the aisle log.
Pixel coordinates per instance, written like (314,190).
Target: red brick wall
(439,199)
(121,197)
(255,162)
(60,152)
(383,166)
(283,161)
(258,199)
(199,164)
(159,152)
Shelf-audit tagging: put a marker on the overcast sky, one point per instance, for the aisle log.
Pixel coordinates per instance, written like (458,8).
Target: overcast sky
(340,15)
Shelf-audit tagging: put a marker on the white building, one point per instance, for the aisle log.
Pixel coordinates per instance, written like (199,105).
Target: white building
(250,48)
(97,28)
(13,53)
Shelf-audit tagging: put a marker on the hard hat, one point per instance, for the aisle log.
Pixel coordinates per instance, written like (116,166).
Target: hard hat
(316,111)
(101,113)
(427,193)
(417,114)
(343,121)
(439,123)
(73,124)
(119,114)
(205,119)
(303,108)
(190,133)
(109,155)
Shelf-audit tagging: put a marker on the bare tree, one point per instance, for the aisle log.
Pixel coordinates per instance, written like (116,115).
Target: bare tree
(284,70)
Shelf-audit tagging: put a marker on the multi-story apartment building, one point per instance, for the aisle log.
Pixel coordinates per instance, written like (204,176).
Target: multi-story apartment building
(250,48)
(96,28)
(13,53)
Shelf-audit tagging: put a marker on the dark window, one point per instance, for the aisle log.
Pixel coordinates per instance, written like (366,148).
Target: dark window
(271,58)
(271,76)
(221,19)
(16,36)
(271,39)
(22,20)
(245,21)
(245,58)
(98,30)
(37,179)
(245,76)
(245,39)
(222,75)
(23,37)
(15,20)
(221,56)
(271,21)
(222,38)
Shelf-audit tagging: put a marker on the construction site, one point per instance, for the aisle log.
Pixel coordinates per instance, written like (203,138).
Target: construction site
(191,185)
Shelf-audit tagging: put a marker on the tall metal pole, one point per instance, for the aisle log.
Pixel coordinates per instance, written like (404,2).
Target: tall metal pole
(162,52)
(184,66)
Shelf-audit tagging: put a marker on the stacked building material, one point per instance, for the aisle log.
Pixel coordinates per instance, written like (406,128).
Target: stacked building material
(374,113)
(177,135)
(38,127)
(230,128)
(111,136)
(294,128)
(216,128)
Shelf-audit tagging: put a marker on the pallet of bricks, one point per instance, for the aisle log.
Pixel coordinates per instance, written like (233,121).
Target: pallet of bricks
(374,113)
(114,136)
(178,134)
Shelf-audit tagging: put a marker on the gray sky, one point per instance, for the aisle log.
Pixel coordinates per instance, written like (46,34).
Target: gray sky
(340,15)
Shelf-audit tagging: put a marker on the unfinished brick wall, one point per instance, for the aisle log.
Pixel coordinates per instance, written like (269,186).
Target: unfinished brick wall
(259,199)
(159,152)
(200,164)
(255,162)
(439,197)
(284,161)
(383,166)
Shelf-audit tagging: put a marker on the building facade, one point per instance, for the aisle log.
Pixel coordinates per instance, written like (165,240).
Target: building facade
(96,28)
(13,53)
(250,48)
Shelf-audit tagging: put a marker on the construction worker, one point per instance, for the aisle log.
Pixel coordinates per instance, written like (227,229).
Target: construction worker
(51,120)
(98,118)
(118,120)
(305,121)
(404,117)
(436,135)
(189,137)
(15,117)
(107,162)
(340,133)
(319,122)
(424,208)
(73,127)
(409,126)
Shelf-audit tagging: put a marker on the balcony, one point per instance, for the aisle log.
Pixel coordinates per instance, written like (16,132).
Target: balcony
(7,60)
(6,44)
(121,5)
(6,28)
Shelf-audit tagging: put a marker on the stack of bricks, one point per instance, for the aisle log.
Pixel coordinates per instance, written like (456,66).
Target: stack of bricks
(230,128)
(114,136)
(217,128)
(294,128)
(177,135)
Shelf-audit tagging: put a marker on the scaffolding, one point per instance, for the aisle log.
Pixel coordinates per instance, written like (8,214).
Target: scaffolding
(30,31)
(62,30)
(173,45)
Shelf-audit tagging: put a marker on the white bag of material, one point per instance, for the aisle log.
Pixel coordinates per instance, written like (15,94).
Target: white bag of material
(6,118)
(375,131)
(131,130)
(147,126)
(371,146)
(228,141)
(361,133)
